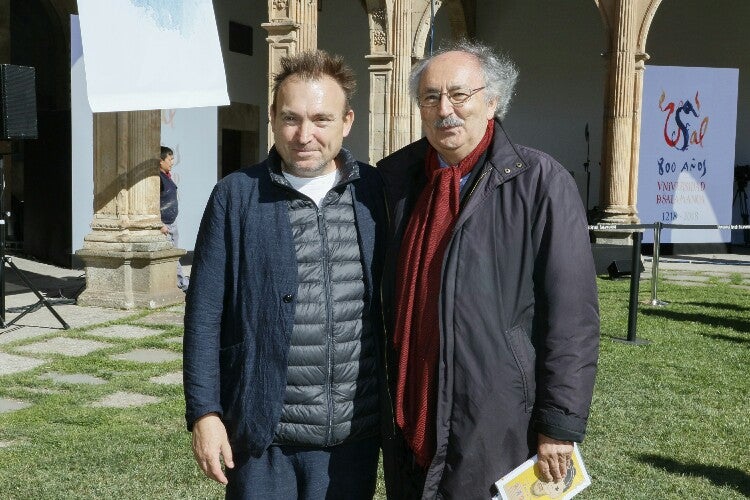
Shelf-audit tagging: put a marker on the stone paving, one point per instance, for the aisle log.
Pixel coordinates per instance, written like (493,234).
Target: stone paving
(123,332)
(123,399)
(38,339)
(174,378)
(7,405)
(147,356)
(10,363)
(166,317)
(63,345)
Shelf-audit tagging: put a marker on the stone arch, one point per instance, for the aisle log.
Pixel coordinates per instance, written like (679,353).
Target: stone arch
(627,25)
(40,31)
(457,19)
(646,24)
(459,27)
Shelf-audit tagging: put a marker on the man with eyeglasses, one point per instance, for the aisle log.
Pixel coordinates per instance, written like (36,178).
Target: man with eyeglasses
(489,291)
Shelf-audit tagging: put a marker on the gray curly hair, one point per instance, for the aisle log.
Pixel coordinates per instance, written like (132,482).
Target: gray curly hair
(500,73)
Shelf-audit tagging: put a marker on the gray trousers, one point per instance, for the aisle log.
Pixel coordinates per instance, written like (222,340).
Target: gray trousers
(173,235)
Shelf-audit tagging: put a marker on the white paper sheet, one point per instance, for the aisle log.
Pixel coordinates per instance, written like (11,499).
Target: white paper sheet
(151,54)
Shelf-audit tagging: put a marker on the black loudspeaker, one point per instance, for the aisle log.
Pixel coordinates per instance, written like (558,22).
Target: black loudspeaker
(17,102)
(620,268)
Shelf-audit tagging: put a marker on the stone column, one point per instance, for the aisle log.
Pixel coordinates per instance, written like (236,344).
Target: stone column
(381,70)
(292,27)
(307,18)
(626,23)
(640,63)
(381,74)
(401,106)
(128,262)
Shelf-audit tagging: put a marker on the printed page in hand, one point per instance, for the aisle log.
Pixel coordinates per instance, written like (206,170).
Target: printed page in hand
(525,483)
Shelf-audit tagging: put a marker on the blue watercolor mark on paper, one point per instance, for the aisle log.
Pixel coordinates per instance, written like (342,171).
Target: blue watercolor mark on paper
(171,15)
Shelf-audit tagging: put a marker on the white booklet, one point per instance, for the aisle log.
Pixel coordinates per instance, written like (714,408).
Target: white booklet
(525,483)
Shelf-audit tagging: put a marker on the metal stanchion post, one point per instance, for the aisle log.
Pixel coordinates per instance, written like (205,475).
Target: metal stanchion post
(635,280)
(655,267)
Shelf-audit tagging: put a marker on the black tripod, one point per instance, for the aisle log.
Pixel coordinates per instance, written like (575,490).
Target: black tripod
(586,167)
(7,260)
(740,197)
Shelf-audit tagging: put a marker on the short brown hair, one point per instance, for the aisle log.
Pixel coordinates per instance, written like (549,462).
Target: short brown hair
(313,65)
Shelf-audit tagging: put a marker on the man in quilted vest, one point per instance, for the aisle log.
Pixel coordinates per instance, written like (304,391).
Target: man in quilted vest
(283,327)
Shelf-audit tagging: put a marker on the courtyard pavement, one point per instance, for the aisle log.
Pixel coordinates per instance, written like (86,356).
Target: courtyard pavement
(32,336)
(38,337)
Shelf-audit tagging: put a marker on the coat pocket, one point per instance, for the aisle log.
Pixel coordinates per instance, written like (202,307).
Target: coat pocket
(525,358)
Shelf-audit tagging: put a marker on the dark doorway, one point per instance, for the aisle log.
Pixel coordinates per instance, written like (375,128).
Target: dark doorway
(231,151)
(239,148)
(41,168)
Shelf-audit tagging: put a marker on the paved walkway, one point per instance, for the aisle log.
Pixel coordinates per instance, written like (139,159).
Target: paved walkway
(690,270)
(38,337)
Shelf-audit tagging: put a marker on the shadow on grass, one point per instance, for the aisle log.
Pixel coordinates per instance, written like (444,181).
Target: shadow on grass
(721,476)
(715,305)
(739,325)
(728,338)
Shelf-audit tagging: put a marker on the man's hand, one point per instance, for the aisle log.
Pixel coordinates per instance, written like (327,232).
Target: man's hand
(164,230)
(554,458)
(210,443)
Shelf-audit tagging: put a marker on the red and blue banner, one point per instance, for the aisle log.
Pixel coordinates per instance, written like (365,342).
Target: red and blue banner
(687,147)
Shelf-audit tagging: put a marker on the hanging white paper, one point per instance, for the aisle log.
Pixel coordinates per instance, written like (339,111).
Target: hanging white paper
(151,54)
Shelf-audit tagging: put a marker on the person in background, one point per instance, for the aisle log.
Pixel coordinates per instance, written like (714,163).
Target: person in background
(169,208)
(489,292)
(283,327)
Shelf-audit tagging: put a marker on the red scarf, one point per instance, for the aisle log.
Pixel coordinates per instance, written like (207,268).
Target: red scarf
(417,327)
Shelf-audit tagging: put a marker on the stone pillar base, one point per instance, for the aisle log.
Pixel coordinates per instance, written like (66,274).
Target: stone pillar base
(615,216)
(131,279)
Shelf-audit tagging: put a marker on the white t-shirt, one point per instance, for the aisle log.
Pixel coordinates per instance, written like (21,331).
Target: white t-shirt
(315,188)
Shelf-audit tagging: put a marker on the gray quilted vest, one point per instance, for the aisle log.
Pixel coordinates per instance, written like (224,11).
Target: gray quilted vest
(332,388)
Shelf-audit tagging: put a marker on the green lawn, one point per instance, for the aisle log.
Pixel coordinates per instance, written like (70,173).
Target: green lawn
(670,419)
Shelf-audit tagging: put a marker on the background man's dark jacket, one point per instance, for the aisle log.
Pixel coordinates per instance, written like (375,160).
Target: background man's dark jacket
(519,319)
(242,296)
(167,198)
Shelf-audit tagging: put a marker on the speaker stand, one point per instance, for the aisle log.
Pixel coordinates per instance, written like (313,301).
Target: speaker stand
(7,260)
(27,309)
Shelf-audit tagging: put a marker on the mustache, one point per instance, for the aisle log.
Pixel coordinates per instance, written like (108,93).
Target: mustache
(448,121)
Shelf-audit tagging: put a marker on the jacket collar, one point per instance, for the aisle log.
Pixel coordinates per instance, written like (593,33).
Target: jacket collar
(503,156)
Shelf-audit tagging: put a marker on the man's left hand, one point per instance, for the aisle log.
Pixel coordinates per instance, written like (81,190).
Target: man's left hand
(554,457)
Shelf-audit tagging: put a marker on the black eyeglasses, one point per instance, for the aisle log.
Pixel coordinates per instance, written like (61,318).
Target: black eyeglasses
(456,97)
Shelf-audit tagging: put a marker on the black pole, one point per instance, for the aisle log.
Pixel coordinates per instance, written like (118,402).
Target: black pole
(635,283)
(586,167)
(2,242)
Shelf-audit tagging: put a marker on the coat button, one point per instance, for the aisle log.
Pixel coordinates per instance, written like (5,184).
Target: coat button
(507,170)
(519,165)
(288,298)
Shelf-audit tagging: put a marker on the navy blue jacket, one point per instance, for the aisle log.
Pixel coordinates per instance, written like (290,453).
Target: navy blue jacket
(167,198)
(240,305)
